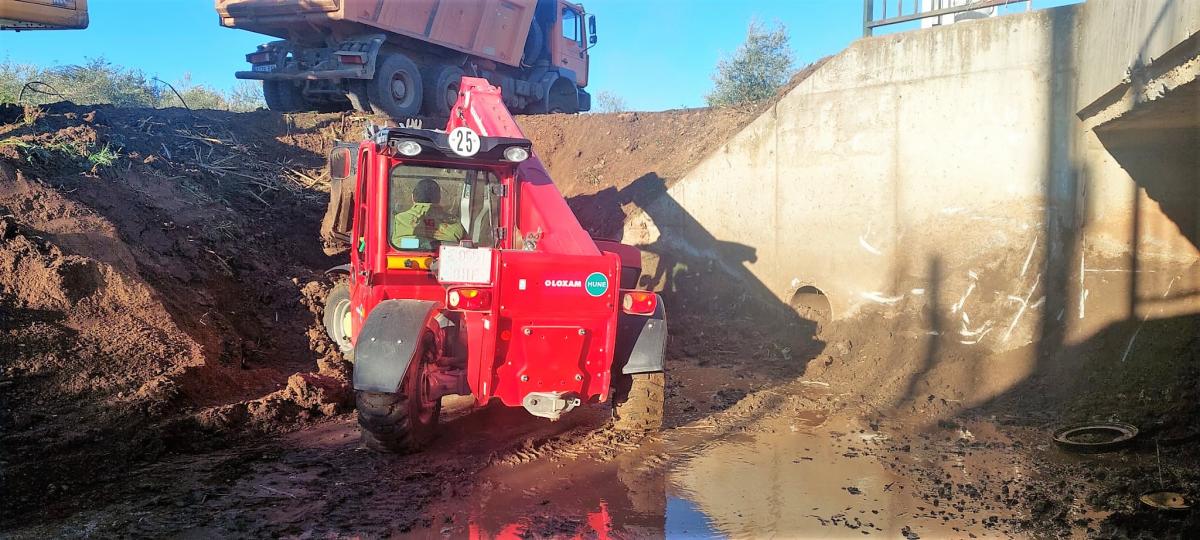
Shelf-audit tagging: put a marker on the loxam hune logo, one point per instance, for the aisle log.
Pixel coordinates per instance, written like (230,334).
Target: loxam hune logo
(596,284)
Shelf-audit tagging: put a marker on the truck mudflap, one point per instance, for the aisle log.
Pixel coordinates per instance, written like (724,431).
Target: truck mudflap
(388,342)
(641,342)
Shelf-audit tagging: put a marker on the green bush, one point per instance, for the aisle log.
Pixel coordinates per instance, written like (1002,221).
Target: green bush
(756,71)
(98,81)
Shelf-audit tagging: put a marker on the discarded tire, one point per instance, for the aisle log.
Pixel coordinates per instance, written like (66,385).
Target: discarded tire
(1165,500)
(1095,438)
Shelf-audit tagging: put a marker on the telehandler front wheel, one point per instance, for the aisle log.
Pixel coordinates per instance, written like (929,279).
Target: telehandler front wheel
(638,401)
(337,317)
(402,421)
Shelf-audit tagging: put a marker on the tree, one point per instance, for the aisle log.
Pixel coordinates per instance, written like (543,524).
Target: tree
(99,81)
(609,102)
(756,71)
(246,96)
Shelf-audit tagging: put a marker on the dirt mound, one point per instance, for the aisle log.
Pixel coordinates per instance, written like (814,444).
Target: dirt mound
(160,287)
(593,157)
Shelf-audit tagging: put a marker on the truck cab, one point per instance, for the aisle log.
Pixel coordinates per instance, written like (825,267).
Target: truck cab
(468,275)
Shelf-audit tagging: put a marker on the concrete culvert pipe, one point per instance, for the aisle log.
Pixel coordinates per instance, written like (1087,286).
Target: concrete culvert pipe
(813,305)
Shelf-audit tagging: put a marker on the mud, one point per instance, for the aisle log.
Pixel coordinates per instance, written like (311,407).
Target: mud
(163,372)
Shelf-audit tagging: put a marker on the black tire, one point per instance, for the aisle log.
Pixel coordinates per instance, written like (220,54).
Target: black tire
(400,422)
(284,96)
(535,44)
(396,90)
(356,92)
(638,401)
(335,318)
(441,90)
(564,98)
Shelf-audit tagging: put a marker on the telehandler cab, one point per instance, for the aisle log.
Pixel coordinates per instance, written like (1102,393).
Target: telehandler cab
(470,275)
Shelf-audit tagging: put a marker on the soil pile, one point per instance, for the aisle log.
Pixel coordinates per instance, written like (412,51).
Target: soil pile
(595,158)
(159,287)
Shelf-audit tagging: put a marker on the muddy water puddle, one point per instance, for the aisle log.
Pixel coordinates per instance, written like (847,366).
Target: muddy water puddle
(791,475)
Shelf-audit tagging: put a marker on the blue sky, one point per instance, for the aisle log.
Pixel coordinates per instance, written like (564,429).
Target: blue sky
(656,54)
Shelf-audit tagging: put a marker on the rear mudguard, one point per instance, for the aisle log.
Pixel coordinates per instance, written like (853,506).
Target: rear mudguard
(641,342)
(388,342)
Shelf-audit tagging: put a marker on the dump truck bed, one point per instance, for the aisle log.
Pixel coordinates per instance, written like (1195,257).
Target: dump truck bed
(453,24)
(43,14)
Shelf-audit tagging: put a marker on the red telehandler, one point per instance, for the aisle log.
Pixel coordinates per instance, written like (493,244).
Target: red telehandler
(470,275)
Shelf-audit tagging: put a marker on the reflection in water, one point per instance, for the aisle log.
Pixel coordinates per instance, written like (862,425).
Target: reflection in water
(684,520)
(780,478)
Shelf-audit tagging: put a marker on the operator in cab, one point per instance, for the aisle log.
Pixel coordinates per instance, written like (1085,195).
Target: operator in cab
(425,222)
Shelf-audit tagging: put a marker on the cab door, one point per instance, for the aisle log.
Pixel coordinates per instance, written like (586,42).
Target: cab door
(570,52)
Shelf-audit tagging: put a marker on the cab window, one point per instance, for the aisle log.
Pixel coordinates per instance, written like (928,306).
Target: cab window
(570,25)
(430,206)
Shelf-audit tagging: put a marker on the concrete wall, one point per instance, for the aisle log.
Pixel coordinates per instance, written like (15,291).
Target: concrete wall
(957,163)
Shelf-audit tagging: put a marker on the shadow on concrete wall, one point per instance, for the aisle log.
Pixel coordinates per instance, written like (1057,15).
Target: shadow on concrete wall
(1151,356)
(698,274)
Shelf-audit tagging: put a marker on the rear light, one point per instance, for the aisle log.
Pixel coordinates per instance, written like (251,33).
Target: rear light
(258,57)
(469,299)
(639,302)
(357,59)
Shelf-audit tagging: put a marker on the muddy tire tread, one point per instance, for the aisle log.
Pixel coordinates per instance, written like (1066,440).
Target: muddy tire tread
(386,426)
(638,401)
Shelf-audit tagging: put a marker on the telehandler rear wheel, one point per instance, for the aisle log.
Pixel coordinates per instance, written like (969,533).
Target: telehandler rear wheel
(403,421)
(638,401)
(337,317)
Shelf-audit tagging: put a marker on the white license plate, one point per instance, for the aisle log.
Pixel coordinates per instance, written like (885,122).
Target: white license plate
(264,68)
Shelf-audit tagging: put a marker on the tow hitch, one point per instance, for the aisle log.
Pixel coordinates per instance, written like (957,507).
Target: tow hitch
(549,404)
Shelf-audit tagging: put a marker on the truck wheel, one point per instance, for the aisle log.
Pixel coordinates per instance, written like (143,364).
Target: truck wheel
(403,421)
(564,97)
(534,44)
(638,401)
(396,89)
(283,96)
(441,90)
(337,316)
(356,92)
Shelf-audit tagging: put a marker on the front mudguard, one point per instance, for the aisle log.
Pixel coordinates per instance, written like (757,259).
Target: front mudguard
(388,343)
(641,342)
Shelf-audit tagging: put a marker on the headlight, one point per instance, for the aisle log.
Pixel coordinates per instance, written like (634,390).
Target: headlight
(516,154)
(409,148)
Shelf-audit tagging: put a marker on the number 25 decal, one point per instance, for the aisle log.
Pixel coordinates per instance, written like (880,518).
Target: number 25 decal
(464,141)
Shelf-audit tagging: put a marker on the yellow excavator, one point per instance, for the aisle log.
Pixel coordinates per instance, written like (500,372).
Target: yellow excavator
(43,15)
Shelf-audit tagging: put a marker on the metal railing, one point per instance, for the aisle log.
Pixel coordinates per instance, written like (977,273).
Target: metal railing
(919,11)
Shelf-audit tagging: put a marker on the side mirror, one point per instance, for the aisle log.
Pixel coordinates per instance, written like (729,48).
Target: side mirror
(592,30)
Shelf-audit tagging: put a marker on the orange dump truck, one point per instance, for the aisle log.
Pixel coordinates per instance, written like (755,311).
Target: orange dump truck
(43,14)
(404,58)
